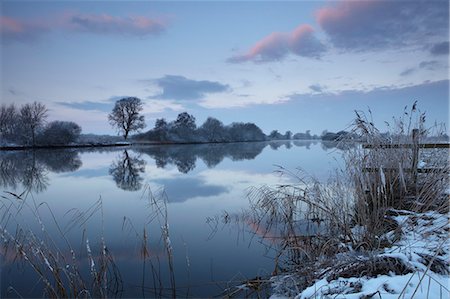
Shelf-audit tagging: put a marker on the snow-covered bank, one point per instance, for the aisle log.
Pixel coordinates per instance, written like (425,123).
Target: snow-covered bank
(415,266)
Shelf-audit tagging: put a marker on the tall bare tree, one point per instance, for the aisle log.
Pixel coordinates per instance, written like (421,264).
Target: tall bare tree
(32,119)
(8,121)
(125,116)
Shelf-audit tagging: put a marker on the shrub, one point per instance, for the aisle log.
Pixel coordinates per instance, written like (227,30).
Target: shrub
(60,133)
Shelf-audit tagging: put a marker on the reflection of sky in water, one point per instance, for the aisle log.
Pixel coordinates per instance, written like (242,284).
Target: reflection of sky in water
(182,189)
(206,190)
(88,173)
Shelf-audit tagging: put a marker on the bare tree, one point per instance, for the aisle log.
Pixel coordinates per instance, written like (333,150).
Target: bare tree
(32,119)
(125,116)
(8,117)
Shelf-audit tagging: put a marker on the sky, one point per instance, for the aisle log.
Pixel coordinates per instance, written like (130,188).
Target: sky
(296,65)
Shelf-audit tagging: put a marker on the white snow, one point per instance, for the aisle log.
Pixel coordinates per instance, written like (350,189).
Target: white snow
(424,239)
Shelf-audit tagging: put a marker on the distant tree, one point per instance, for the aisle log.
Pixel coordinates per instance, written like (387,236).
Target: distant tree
(288,135)
(183,128)
(275,135)
(160,123)
(60,132)
(330,136)
(161,129)
(8,121)
(308,133)
(213,130)
(32,120)
(125,116)
(245,132)
(303,136)
(186,121)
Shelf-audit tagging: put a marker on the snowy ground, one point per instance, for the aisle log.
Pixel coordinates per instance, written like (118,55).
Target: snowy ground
(421,248)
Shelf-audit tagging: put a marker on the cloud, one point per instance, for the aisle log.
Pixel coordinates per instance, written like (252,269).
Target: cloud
(182,189)
(89,105)
(14,92)
(430,65)
(407,72)
(440,48)
(316,88)
(372,25)
(181,88)
(278,45)
(107,24)
(239,101)
(106,106)
(426,91)
(12,29)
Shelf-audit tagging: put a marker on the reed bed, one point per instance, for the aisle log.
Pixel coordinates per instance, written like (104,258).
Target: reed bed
(337,228)
(55,261)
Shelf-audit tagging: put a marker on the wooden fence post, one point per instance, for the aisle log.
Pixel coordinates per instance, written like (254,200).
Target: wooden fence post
(415,154)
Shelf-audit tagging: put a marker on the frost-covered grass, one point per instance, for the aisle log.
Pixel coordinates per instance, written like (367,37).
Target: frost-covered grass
(66,262)
(423,250)
(51,257)
(384,227)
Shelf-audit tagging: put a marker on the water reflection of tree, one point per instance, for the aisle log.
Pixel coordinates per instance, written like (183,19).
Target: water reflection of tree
(126,171)
(61,161)
(29,169)
(341,145)
(276,144)
(305,143)
(184,157)
(35,175)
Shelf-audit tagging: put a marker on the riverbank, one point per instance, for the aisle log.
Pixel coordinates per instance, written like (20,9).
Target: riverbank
(415,265)
(25,147)
(125,144)
(386,224)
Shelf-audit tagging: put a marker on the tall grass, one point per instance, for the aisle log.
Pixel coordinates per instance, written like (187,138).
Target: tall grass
(385,176)
(348,215)
(51,256)
(32,237)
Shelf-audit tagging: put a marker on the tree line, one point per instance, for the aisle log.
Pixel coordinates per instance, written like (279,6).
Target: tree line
(184,129)
(126,118)
(27,125)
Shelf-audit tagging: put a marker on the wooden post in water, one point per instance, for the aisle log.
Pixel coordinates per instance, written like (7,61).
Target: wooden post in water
(415,155)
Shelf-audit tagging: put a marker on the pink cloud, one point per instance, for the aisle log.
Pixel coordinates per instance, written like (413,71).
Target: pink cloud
(12,29)
(278,45)
(107,24)
(346,12)
(376,24)
(272,47)
(10,25)
(302,42)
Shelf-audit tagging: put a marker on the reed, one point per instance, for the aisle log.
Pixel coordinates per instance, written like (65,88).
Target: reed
(51,256)
(335,229)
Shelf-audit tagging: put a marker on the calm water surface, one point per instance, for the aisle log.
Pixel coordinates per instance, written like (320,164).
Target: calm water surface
(129,195)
